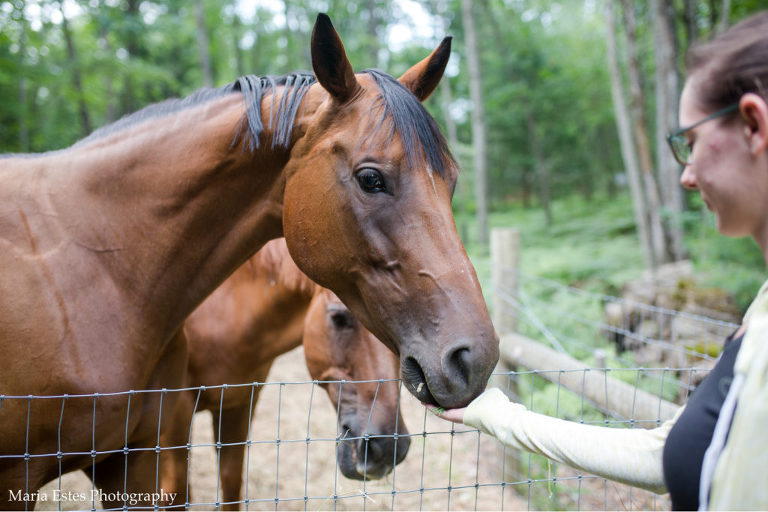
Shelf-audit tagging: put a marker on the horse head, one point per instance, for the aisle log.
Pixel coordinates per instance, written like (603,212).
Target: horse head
(367,214)
(373,436)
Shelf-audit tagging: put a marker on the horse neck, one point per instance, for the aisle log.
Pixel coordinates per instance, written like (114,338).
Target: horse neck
(171,208)
(274,263)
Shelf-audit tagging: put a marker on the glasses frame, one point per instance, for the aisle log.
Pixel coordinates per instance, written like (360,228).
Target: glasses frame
(677,137)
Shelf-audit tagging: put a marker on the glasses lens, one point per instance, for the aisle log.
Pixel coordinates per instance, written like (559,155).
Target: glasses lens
(681,149)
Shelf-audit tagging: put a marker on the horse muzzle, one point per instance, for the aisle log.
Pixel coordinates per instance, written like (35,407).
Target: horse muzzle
(370,456)
(458,374)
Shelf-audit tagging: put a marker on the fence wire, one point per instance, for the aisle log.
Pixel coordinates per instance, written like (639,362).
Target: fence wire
(656,349)
(291,452)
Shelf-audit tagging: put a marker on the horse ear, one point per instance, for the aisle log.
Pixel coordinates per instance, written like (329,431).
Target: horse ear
(330,63)
(422,79)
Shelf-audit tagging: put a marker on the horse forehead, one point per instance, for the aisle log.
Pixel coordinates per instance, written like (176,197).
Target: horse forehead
(365,124)
(366,106)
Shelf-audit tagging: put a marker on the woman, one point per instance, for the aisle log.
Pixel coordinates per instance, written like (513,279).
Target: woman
(710,455)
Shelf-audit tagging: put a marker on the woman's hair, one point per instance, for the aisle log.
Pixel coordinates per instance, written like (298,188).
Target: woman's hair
(732,64)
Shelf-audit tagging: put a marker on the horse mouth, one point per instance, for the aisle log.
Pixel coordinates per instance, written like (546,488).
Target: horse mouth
(416,381)
(354,464)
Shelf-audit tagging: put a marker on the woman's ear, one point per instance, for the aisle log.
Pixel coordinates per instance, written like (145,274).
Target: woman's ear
(754,111)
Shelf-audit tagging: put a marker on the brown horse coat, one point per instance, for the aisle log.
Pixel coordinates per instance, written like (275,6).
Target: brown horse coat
(258,313)
(108,246)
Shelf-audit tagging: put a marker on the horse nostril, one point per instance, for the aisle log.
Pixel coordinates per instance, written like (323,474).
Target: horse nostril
(372,450)
(459,363)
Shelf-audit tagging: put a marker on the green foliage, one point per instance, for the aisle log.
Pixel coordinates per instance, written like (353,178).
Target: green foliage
(545,82)
(732,264)
(592,243)
(543,62)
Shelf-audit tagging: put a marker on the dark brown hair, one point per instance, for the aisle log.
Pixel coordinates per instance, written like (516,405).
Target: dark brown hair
(732,64)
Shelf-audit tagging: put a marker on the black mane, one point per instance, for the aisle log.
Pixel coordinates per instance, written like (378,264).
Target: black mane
(253,89)
(419,132)
(417,128)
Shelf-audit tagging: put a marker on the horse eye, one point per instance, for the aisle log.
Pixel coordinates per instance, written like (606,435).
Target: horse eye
(371,181)
(342,319)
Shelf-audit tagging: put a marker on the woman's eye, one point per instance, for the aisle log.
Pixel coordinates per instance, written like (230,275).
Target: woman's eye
(371,181)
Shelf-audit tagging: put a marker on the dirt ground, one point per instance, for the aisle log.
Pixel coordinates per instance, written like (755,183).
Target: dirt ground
(443,470)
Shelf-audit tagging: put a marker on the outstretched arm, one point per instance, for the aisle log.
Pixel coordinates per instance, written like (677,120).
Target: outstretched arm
(631,456)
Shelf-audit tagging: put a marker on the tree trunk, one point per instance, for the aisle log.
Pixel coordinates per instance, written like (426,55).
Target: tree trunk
(713,13)
(539,175)
(725,14)
(690,18)
(542,168)
(202,44)
(237,25)
(625,139)
(373,26)
(288,34)
(77,80)
(446,98)
(478,122)
(109,114)
(642,142)
(23,92)
(439,7)
(446,95)
(133,47)
(525,187)
(667,104)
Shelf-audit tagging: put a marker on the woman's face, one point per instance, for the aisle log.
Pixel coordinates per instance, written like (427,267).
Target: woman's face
(723,169)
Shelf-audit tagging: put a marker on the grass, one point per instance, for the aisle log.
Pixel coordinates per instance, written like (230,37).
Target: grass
(594,245)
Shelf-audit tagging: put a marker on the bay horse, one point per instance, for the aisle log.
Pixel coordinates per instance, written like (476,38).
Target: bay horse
(106,248)
(264,309)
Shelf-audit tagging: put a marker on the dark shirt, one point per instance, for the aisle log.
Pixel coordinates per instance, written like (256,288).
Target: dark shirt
(691,434)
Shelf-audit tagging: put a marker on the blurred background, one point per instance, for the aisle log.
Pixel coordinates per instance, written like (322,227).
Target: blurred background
(556,110)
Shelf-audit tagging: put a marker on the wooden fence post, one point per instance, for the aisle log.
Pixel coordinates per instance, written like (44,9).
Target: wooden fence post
(505,259)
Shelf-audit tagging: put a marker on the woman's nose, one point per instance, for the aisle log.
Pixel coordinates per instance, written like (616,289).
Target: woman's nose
(688,178)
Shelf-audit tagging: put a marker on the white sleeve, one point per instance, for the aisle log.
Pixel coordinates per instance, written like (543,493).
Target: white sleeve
(631,456)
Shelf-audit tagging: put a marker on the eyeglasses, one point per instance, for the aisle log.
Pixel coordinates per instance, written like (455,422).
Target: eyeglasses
(679,144)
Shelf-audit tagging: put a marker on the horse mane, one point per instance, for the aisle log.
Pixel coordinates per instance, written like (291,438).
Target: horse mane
(281,118)
(253,88)
(418,130)
(399,108)
(274,260)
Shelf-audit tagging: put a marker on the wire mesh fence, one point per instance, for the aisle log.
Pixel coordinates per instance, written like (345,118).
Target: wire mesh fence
(291,460)
(609,331)
(291,452)
(661,352)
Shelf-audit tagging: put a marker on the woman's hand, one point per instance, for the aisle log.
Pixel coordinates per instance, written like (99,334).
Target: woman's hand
(454,415)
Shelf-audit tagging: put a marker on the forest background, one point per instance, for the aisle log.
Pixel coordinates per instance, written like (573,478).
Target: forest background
(556,110)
